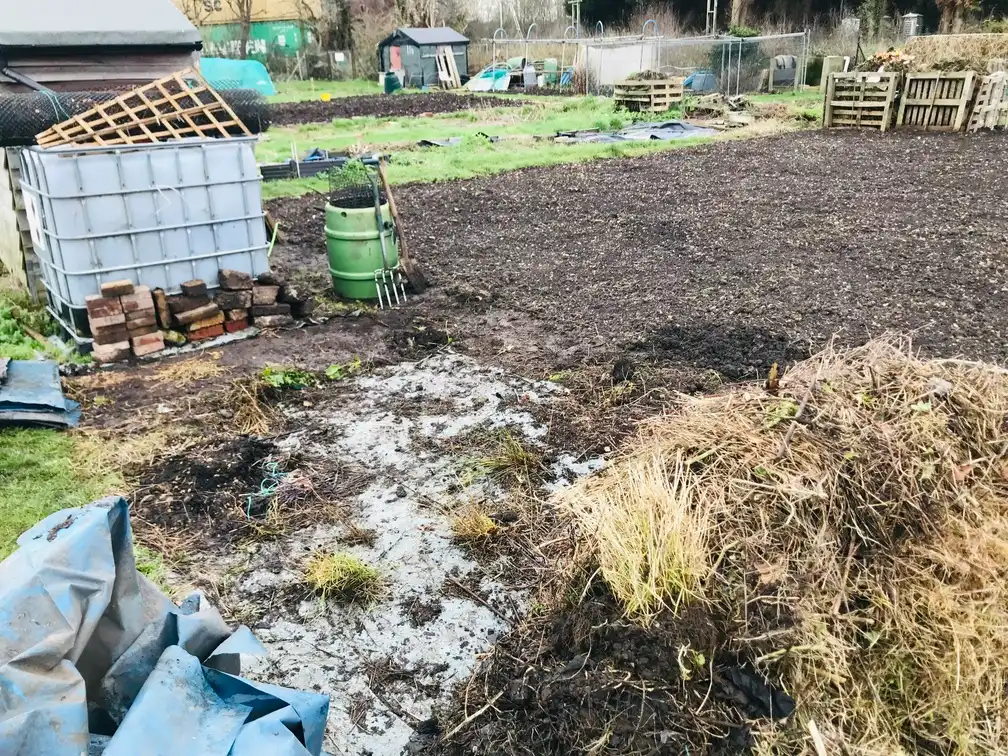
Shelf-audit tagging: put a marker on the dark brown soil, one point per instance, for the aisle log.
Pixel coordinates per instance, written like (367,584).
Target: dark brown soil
(725,257)
(563,682)
(733,255)
(383,106)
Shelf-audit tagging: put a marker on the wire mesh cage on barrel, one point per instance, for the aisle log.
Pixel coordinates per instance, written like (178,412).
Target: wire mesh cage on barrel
(352,186)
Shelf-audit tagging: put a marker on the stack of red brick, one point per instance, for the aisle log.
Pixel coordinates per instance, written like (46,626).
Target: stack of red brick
(123,321)
(127,319)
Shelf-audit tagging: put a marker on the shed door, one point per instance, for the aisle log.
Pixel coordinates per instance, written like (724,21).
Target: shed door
(395,58)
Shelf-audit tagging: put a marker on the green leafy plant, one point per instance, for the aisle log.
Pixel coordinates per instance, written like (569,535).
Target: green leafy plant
(339,371)
(287,377)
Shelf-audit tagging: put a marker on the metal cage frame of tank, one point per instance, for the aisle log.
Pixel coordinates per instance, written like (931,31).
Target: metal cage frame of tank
(158,214)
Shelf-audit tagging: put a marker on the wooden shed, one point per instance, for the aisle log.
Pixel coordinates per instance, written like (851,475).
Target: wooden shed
(413,51)
(74,45)
(70,46)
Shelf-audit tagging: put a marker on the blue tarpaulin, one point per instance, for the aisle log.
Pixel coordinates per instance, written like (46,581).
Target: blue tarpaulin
(223,73)
(30,394)
(91,652)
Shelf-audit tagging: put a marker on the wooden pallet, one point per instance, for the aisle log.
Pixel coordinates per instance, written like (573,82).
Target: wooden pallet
(448,73)
(654,96)
(176,107)
(991,109)
(860,99)
(936,101)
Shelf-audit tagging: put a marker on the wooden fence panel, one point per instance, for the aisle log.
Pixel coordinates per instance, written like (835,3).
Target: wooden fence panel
(655,96)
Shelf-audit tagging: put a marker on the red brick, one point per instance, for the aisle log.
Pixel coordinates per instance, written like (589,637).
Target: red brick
(234,279)
(147,344)
(140,299)
(101,307)
(179,303)
(194,288)
(143,330)
(274,321)
(142,319)
(108,321)
(275,309)
(233,300)
(200,313)
(207,333)
(265,295)
(206,322)
(161,308)
(111,352)
(111,335)
(117,288)
(236,325)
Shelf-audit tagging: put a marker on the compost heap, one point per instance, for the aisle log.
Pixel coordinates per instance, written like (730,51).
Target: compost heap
(814,566)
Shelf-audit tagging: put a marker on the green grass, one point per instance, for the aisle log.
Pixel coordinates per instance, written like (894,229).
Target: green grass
(296,91)
(445,164)
(18,312)
(794,100)
(537,119)
(38,476)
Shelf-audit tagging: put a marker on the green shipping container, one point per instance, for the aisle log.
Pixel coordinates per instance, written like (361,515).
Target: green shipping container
(266,38)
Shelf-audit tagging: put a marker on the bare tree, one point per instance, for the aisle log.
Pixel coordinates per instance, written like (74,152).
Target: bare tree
(242,10)
(200,11)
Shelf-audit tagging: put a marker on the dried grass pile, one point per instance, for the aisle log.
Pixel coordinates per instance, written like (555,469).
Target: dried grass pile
(971,51)
(852,528)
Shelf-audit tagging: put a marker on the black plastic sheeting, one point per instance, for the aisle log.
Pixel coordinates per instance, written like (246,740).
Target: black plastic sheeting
(25,114)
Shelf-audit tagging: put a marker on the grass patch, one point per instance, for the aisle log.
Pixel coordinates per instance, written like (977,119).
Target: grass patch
(298,91)
(445,164)
(39,476)
(20,318)
(513,460)
(472,523)
(345,578)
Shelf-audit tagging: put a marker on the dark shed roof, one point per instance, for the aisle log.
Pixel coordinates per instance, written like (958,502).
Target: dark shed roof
(87,23)
(441,35)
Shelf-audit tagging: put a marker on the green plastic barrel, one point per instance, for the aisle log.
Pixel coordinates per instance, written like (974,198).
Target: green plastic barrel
(355,249)
(392,83)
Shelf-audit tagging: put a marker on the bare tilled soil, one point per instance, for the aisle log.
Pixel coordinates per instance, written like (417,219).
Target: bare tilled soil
(382,106)
(730,256)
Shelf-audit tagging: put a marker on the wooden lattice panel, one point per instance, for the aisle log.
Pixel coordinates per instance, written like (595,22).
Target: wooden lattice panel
(936,101)
(654,96)
(860,99)
(991,109)
(176,107)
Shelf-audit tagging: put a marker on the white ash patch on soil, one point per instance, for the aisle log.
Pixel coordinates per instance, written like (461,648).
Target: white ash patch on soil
(386,665)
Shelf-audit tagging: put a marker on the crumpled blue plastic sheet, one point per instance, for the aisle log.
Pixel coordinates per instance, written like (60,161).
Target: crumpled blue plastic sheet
(92,652)
(30,394)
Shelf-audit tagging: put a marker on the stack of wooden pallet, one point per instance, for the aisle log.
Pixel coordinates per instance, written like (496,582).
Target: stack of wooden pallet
(991,109)
(936,101)
(448,73)
(861,99)
(650,96)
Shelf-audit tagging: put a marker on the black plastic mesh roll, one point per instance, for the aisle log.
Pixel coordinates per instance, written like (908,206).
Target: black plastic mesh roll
(23,115)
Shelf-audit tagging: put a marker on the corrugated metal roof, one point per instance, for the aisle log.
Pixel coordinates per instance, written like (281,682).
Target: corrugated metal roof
(87,23)
(441,35)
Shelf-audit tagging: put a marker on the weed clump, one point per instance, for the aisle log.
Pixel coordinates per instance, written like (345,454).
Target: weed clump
(343,577)
(472,523)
